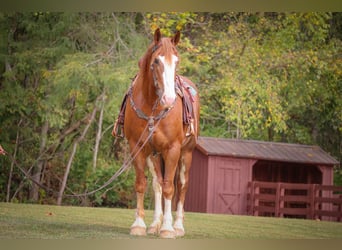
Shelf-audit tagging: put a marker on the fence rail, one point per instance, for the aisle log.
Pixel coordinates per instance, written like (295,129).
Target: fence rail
(310,201)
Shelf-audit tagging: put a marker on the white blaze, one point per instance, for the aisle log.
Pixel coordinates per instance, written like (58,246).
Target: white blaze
(169,94)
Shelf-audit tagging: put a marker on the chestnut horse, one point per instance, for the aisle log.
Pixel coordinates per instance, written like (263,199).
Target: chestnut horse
(157,135)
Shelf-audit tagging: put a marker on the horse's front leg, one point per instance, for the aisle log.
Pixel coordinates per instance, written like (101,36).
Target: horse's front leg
(138,227)
(171,159)
(154,164)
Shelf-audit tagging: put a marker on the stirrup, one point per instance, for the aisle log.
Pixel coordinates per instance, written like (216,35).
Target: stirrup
(118,130)
(190,131)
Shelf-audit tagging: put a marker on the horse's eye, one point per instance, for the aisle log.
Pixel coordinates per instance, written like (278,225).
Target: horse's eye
(156,61)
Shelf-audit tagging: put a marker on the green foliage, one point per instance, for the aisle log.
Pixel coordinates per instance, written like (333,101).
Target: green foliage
(119,194)
(338,177)
(266,76)
(56,65)
(169,22)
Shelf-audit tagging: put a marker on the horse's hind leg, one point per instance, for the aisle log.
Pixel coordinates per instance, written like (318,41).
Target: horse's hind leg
(153,162)
(182,187)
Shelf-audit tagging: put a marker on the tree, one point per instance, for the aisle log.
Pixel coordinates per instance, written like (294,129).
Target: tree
(57,64)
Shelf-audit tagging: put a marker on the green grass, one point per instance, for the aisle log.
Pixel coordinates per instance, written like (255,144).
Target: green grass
(26,221)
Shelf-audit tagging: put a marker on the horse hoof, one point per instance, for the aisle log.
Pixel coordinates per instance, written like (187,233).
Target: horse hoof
(179,232)
(153,230)
(138,231)
(166,234)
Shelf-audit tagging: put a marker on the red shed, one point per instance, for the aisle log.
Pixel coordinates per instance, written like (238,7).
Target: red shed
(223,168)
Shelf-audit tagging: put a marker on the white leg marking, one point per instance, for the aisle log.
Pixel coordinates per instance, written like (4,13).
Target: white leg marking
(158,212)
(178,226)
(139,222)
(167,221)
(182,173)
(179,217)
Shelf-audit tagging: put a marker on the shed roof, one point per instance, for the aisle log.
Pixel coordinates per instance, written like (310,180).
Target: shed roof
(262,150)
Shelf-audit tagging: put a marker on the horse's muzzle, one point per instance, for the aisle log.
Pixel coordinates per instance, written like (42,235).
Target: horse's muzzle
(167,102)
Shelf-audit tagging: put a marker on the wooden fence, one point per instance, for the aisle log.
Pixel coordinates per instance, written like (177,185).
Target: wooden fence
(310,201)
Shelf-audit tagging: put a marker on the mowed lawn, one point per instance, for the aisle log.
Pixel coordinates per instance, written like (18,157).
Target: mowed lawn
(25,221)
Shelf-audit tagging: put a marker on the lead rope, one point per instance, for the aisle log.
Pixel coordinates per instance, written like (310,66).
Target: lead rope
(122,169)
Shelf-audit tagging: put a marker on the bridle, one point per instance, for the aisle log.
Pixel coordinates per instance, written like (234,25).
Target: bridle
(152,118)
(155,81)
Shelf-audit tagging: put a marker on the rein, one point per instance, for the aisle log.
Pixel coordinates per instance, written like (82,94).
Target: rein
(122,169)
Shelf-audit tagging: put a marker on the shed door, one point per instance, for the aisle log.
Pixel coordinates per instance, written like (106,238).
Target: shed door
(227,186)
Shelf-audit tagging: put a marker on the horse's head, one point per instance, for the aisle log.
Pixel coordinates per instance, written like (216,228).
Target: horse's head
(163,62)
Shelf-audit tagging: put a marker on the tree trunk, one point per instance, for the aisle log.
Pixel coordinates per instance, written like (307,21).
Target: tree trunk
(12,165)
(238,124)
(37,171)
(98,134)
(71,158)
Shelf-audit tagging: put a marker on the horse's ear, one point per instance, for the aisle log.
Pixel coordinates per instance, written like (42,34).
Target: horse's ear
(157,36)
(140,62)
(175,39)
